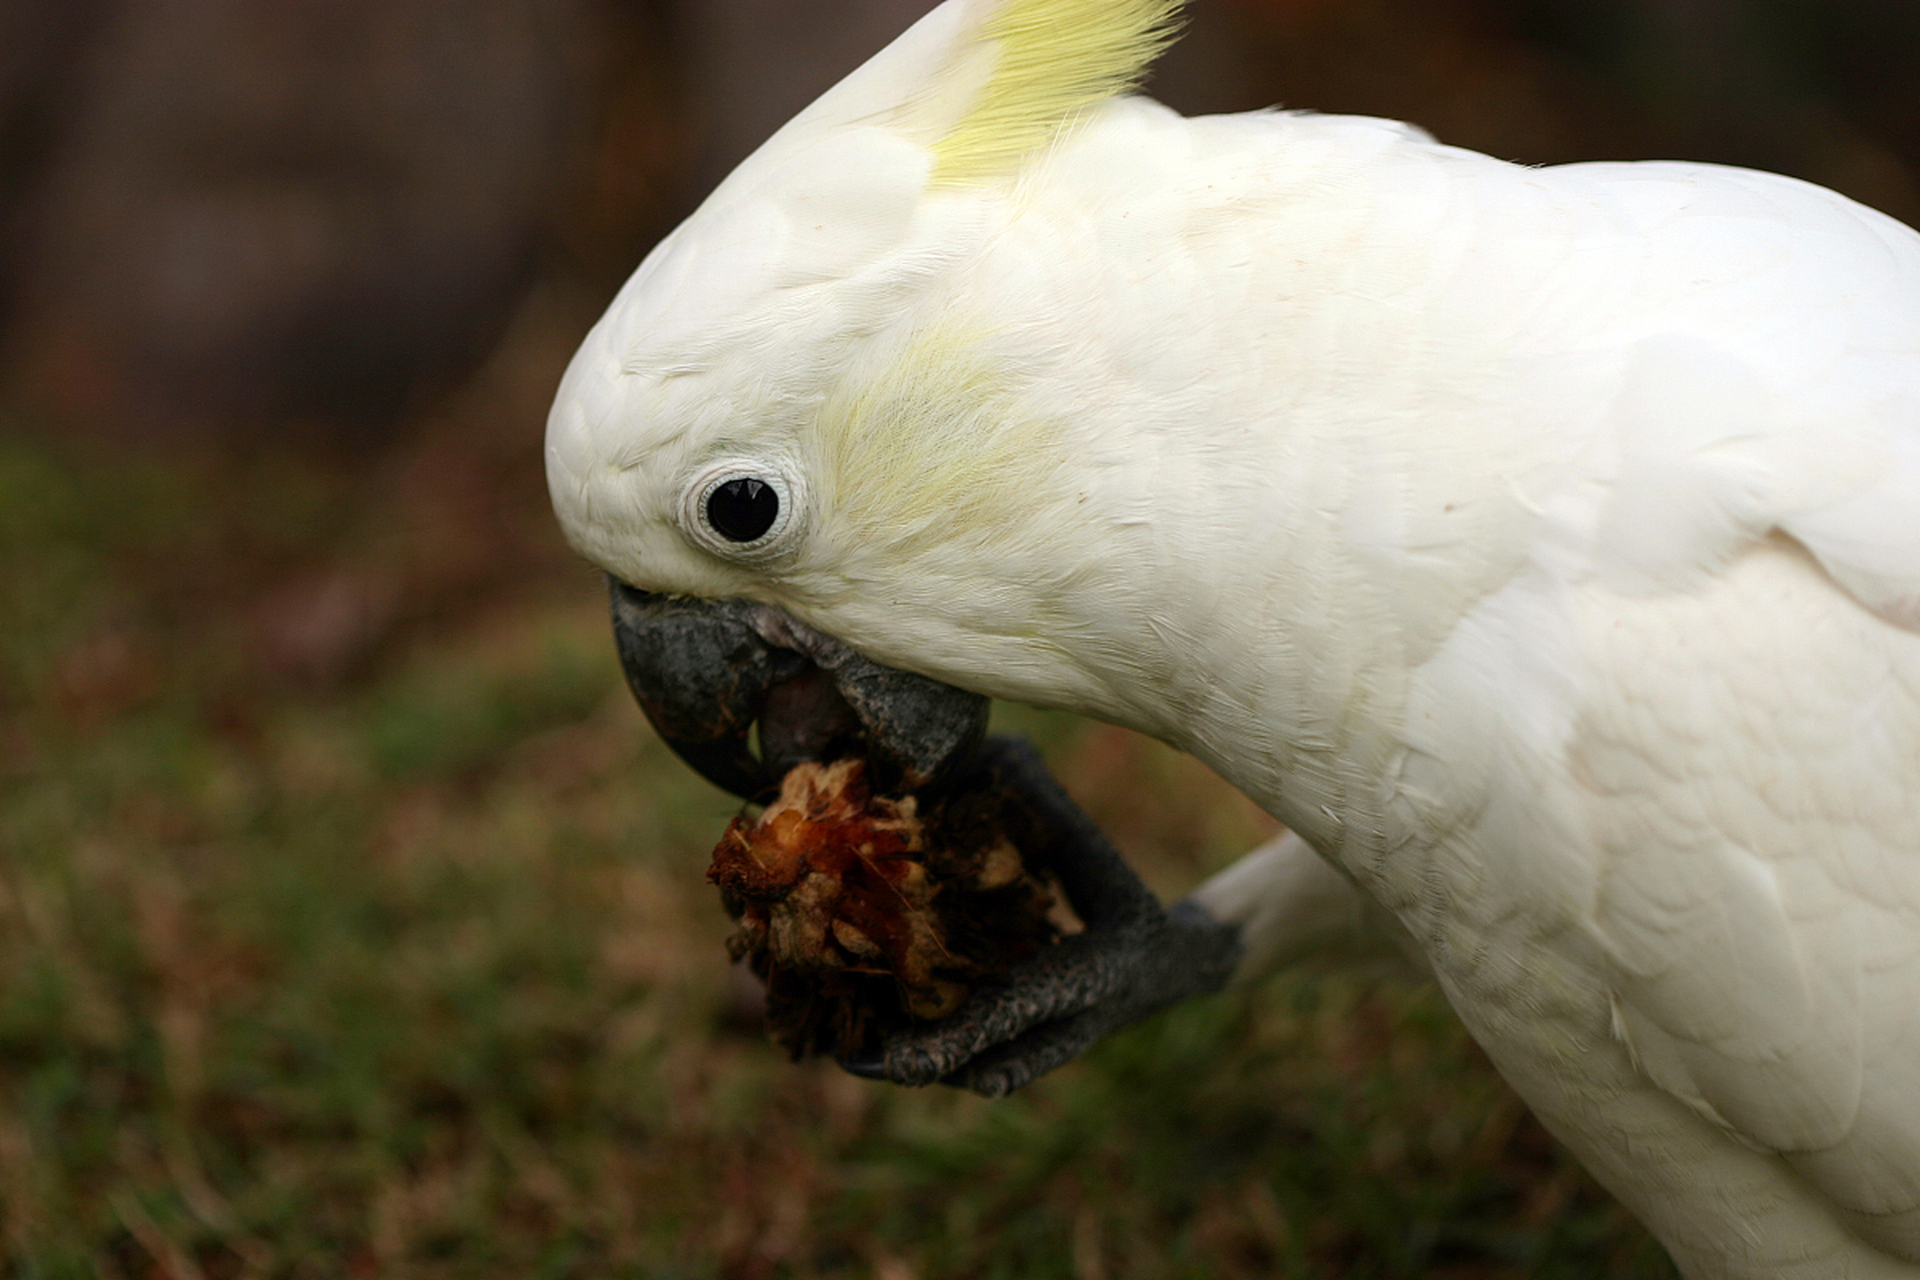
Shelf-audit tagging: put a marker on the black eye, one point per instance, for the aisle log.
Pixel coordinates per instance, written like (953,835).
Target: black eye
(743,510)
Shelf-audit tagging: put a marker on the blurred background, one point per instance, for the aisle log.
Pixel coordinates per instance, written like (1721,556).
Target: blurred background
(352,922)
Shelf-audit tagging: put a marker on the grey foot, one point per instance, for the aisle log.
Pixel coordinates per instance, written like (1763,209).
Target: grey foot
(1134,958)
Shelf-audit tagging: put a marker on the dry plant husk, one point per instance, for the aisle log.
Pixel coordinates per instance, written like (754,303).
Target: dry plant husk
(863,913)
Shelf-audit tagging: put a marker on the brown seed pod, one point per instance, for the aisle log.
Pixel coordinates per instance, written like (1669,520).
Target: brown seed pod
(863,912)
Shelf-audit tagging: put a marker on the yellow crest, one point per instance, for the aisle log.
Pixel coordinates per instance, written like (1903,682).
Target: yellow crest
(1053,60)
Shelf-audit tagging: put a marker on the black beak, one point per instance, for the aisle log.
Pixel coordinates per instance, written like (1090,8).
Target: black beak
(705,671)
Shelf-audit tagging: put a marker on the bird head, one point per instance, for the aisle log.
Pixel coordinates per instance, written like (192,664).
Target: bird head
(824,486)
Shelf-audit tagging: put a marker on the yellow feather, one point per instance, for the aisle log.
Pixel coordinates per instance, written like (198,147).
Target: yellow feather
(1055,59)
(945,414)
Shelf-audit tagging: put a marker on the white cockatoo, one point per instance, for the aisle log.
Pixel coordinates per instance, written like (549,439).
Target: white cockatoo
(1541,546)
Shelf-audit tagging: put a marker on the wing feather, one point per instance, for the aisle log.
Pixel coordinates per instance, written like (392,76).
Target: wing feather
(1769,379)
(1760,902)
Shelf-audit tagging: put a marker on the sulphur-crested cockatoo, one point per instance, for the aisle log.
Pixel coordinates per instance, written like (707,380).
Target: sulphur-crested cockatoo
(1542,546)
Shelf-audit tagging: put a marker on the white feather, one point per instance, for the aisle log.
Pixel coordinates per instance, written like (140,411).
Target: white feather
(1542,545)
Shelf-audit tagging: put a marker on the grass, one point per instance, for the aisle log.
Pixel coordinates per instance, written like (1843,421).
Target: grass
(353,924)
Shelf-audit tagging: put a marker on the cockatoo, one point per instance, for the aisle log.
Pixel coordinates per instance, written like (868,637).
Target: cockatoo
(1540,545)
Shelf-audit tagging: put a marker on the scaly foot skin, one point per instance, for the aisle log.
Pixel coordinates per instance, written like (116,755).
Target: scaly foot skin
(1134,958)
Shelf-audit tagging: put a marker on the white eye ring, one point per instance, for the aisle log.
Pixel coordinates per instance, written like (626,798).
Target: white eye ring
(743,508)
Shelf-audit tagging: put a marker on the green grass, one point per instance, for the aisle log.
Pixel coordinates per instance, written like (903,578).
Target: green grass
(381,947)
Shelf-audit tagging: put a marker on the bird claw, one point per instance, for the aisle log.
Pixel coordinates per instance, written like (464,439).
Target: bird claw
(1134,958)
(1058,1005)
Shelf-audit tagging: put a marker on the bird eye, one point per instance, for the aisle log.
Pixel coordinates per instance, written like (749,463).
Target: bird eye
(743,509)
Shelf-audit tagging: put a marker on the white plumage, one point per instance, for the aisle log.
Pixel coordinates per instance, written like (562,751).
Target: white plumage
(1541,545)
